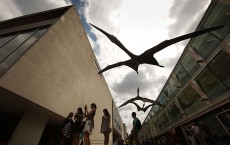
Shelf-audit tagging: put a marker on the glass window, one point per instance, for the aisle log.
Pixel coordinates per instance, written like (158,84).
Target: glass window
(194,98)
(11,57)
(163,120)
(13,45)
(210,84)
(219,16)
(221,68)
(205,44)
(181,74)
(162,98)
(174,86)
(4,40)
(189,64)
(173,111)
(168,91)
(185,103)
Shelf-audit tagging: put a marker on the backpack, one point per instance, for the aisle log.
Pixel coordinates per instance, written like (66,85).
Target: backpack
(139,125)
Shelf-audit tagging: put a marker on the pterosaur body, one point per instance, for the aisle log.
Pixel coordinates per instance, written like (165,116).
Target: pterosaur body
(147,56)
(142,108)
(138,97)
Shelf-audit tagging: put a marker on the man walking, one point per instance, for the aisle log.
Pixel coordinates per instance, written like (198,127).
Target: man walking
(136,128)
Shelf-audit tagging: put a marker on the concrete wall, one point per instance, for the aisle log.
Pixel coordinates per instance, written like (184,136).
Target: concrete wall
(59,73)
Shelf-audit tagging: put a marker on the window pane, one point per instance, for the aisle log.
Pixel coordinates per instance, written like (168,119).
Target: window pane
(13,44)
(189,64)
(9,59)
(173,111)
(220,66)
(168,91)
(4,40)
(210,84)
(219,16)
(194,98)
(205,44)
(162,98)
(174,86)
(185,103)
(181,74)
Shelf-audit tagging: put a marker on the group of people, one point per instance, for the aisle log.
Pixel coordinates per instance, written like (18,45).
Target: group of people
(82,125)
(199,134)
(79,127)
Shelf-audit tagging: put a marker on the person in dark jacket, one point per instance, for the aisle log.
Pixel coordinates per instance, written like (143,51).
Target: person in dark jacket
(67,128)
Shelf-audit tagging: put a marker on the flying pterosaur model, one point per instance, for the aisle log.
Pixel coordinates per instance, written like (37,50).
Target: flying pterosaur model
(142,108)
(141,99)
(147,56)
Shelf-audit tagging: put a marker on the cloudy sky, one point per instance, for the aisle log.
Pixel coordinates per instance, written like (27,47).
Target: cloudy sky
(139,25)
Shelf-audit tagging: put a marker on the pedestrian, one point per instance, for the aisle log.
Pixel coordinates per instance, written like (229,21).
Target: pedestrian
(77,126)
(67,128)
(135,130)
(89,124)
(105,126)
(196,132)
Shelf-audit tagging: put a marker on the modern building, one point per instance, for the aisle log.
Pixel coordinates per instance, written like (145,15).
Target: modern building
(124,132)
(47,70)
(198,89)
(117,125)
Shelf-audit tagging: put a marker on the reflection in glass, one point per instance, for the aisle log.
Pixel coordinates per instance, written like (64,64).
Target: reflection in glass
(174,86)
(17,47)
(219,16)
(4,40)
(13,45)
(168,91)
(173,112)
(221,68)
(194,98)
(181,74)
(189,64)
(210,84)
(184,102)
(205,44)
(162,98)
(163,120)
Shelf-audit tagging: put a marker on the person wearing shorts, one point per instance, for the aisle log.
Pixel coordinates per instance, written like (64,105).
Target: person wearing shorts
(89,124)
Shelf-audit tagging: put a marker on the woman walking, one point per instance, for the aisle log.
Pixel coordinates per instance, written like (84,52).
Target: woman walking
(105,126)
(78,126)
(89,124)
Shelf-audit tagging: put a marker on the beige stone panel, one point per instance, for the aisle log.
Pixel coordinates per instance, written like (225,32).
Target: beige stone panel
(58,71)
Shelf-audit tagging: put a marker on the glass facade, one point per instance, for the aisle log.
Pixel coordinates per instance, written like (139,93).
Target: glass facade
(200,80)
(182,74)
(14,46)
(205,45)
(221,68)
(210,84)
(174,113)
(219,16)
(189,64)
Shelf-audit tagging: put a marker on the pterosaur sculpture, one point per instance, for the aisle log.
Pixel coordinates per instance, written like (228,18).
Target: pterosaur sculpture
(138,97)
(147,56)
(142,108)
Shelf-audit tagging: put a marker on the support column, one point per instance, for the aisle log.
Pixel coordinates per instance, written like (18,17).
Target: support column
(29,130)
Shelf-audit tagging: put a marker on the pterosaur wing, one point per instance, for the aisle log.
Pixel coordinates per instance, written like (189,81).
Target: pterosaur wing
(127,102)
(146,108)
(129,63)
(167,43)
(137,106)
(151,101)
(115,41)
